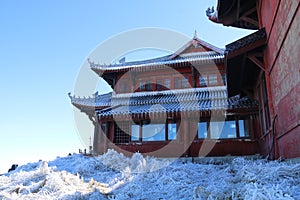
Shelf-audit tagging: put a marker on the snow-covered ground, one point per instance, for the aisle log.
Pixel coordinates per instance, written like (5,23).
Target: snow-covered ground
(114,176)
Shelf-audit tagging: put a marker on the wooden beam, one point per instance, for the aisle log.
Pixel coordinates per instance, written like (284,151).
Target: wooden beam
(246,49)
(257,62)
(242,72)
(259,54)
(251,21)
(238,9)
(250,11)
(248,92)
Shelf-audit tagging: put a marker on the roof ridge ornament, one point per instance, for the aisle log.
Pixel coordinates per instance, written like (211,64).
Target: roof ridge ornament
(195,34)
(70,96)
(210,11)
(212,14)
(92,64)
(195,39)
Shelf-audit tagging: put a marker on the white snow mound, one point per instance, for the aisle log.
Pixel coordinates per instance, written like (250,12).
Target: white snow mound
(114,176)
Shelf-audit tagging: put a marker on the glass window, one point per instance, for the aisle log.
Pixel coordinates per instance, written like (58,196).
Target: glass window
(177,83)
(153,132)
(142,86)
(202,130)
(135,132)
(213,79)
(121,130)
(102,133)
(103,127)
(167,83)
(224,79)
(203,81)
(226,129)
(185,82)
(244,127)
(149,85)
(159,85)
(123,86)
(172,132)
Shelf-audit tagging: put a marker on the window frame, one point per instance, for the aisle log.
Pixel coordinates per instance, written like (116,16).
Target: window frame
(121,130)
(124,86)
(159,86)
(206,127)
(203,80)
(213,81)
(140,129)
(167,80)
(149,85)
(177,83)
(185,82)
(168,132)
(142,85)
(224,79)
(236,120)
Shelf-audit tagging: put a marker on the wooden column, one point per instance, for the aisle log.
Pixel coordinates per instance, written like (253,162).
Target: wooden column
(132,81)
(186,136)
(194,77)
(96,135)
(104,136)
(111,131)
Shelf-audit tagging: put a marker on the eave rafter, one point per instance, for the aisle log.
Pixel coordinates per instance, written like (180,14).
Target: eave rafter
(246,17)
(255,59)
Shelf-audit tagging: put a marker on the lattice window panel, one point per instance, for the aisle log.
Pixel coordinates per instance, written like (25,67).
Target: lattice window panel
(122,132)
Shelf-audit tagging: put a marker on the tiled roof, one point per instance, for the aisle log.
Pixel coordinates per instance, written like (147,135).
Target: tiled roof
(96,100)
(245,41)
(194,99)
(200,57)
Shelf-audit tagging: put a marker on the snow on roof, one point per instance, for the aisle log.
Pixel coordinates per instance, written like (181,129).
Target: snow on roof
(170,92)
(203,57)
(211,54)
(114,176)
(189,99)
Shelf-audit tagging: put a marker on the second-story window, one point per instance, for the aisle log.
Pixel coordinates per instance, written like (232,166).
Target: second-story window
(145,85)
(167,83)
(149,85)
(213,79)
(185,82)
(124,86)
(159,84)
(177,83)
(203,80)
(142,86)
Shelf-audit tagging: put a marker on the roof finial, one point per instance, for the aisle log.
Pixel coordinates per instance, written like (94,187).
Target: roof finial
(195,34)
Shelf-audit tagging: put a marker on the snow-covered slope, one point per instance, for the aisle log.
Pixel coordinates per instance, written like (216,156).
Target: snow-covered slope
(114,176)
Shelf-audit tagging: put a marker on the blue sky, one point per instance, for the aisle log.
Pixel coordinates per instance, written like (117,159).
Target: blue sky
(43,45)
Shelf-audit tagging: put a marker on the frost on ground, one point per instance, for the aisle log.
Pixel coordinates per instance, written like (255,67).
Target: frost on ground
(114,176)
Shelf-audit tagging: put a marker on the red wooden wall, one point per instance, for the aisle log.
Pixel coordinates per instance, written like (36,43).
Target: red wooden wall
(281,18)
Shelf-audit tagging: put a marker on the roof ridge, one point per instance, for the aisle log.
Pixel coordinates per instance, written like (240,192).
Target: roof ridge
(208,57)
(173,91)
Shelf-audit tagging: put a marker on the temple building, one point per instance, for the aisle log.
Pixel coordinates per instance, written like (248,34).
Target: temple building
(265,66)
(175,105)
